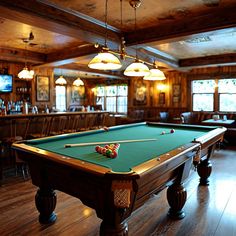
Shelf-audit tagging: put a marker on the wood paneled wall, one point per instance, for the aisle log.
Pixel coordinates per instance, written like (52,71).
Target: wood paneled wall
(177,78)
(153,89)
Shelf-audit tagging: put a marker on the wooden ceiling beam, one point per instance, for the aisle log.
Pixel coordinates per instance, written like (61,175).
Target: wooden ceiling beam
(101,73)
(226,59)
(20,55)
(51,17)
(159,56)
(177,30)
(69,55)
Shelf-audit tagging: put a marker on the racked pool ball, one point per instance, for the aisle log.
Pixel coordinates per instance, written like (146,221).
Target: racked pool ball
(113,154)
(98,149)
(172,131)
(108,152)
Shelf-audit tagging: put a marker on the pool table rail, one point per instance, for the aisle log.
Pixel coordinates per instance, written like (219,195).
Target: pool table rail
(163,159)
(213,136)
(26,152)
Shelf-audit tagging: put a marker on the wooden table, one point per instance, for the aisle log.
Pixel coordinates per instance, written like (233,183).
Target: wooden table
(219,122)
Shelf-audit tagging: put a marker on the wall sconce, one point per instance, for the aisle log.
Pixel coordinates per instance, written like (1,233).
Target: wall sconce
(61,81)
(78,82)
(161,87)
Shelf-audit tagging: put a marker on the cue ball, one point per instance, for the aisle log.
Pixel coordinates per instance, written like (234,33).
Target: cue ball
(172,131)
(163,132)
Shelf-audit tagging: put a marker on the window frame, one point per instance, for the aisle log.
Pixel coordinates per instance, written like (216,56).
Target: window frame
(216,94)
(115,96)
(65,95)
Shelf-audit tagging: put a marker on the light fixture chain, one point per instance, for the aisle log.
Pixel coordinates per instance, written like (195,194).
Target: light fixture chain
(121,14)
(106,33)
(25,54)
(135,30)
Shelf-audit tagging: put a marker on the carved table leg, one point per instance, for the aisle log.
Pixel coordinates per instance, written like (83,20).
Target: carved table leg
(45,201)
(204,171)
(176,196)
(119,230)
(114,224)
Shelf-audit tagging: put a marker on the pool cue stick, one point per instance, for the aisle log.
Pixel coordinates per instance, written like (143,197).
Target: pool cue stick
(108,142)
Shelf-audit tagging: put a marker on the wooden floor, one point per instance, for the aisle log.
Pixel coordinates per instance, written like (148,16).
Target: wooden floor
(209,210)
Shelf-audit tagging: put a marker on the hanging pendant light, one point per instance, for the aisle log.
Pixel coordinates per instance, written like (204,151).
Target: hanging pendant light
(78,82)
(26,74)
(155,74)
(61,81)
(105,60)
(137,68)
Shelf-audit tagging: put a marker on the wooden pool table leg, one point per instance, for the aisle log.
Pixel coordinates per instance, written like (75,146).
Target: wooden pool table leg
(176,193)
(176,196)
(114,226)
(45,201)
(204,168)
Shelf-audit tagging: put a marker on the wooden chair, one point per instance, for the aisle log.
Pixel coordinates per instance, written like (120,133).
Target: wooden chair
(186,117)
(164,116)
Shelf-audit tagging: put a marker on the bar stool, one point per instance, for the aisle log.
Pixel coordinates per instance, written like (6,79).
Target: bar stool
(39,127)
(58,125)
(101,120)
(90,121)
(18,131)
(73,124)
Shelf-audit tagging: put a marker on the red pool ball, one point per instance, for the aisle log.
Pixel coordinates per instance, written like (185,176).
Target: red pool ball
(97,148)
(172,131)
(106,128)
(113,154)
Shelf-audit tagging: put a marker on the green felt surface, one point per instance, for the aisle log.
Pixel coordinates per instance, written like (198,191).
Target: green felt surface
(130,154)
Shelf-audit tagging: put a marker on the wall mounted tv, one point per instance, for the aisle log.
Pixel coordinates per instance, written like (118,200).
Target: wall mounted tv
(5,83)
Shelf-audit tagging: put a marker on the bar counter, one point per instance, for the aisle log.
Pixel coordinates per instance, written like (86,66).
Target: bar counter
(24,124)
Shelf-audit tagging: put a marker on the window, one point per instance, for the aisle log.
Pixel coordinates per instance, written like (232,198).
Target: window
(61,98)
(217,94)
(227,94)
(203,95)
(113,98)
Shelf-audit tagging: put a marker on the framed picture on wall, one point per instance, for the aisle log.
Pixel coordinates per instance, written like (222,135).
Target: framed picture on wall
(42,88)
(176,93)
(140,93)
(161,98)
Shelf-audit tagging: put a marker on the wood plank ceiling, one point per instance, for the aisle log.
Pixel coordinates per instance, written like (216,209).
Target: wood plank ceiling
(178,35)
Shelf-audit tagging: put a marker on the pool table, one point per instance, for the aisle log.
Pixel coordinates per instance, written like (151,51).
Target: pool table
(115,187)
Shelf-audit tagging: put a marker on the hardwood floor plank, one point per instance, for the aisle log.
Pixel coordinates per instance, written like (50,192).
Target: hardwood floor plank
(227,223)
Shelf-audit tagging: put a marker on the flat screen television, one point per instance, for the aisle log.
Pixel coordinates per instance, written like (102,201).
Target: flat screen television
(5,83)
